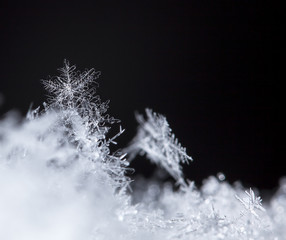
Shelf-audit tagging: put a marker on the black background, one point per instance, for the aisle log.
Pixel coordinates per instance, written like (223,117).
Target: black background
(213,68)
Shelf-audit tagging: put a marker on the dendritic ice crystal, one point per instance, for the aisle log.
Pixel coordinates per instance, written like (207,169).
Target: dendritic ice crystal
(60,180)
(155,138)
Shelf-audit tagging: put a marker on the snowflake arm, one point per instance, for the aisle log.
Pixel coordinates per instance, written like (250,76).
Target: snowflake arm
(251,202)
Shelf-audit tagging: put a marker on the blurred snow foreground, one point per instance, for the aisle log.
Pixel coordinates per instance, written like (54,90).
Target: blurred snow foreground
(59,179)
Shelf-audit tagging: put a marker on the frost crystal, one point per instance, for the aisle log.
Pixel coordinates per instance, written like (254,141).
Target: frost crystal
(155,138)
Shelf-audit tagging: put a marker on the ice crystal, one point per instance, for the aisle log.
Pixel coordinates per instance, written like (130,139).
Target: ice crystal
(155,138)
(72,89)
(251,202)
(83,115)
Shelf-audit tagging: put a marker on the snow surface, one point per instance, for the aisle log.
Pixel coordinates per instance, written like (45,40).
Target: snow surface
(60,181)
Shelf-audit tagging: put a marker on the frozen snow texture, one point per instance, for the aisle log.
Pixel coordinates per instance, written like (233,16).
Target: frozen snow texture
(60,181)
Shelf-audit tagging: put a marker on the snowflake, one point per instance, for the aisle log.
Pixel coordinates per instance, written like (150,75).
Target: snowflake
(71,88)
(155,138)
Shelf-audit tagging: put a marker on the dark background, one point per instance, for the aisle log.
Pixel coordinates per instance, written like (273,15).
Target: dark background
(213,68)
